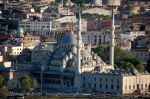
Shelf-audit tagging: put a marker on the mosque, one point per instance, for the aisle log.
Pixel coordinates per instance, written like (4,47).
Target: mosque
(72,67)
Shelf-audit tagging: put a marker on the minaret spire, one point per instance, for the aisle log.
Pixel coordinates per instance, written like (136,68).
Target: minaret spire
(112,44)
(79,38)
(77,79)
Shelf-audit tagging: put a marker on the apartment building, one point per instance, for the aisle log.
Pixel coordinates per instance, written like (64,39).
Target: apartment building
(36,27)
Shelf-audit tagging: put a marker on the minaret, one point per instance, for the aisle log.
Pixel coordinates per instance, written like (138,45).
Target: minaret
(68,8)
(112,44)
(112,4)
(79,38)
(77,78)
(62,3)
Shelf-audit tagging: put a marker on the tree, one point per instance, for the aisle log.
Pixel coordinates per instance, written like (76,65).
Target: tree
(25,82)
(83,5)
(120,55)
(122,59)
(1,80)
(3,92)
(34,83)
(52,3)
(140,67)
(128,65)
(148,65)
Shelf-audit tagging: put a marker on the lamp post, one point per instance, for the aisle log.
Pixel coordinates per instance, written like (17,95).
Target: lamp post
(41,80)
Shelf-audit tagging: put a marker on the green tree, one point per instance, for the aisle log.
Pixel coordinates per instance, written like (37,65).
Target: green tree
(34,83)
(78,2)
(52,3)
(103,51)
(1,80)
(3,92)
(135,60)
(25,82)
(148,65)
(83,5)
(128,65)
(120,55)
(140,67)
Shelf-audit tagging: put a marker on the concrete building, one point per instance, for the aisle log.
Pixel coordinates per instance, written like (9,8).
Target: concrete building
(95,37)
(14,47)
(36,27)
(132,34)
(116,81)
(100,11)
(56,26)
(13,73)
(98,2)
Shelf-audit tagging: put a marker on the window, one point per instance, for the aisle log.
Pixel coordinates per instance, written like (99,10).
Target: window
(106,79)
(133,86)
(125,87)
(141,86)
(100,86)
(106,86)
(94,85)
(129,86)
(100,79)
(118,87)
(112,87)
(145,85)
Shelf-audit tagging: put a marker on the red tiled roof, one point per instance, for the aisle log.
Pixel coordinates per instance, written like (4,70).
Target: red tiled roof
(105,22)
(90,24)
(4,37)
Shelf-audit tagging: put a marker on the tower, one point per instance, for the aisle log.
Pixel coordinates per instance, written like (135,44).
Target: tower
(62,3)
(79,38)
(112,4)
(77,80)
(112,44)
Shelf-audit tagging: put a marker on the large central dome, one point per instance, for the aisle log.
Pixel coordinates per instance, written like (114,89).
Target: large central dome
(69,39)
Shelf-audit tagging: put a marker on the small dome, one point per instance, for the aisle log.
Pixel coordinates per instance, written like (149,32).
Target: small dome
(61,52)
(19,30)
(85,53)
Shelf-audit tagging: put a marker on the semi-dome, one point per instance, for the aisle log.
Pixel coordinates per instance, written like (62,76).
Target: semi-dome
(19,30)
(61,52)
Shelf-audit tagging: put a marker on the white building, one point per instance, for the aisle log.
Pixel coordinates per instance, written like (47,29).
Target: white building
(132,34)
(116,81)
(20,45)
(100,11)
(98,2)
(95,37)
(36,27)
(114,2)
(56,25)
